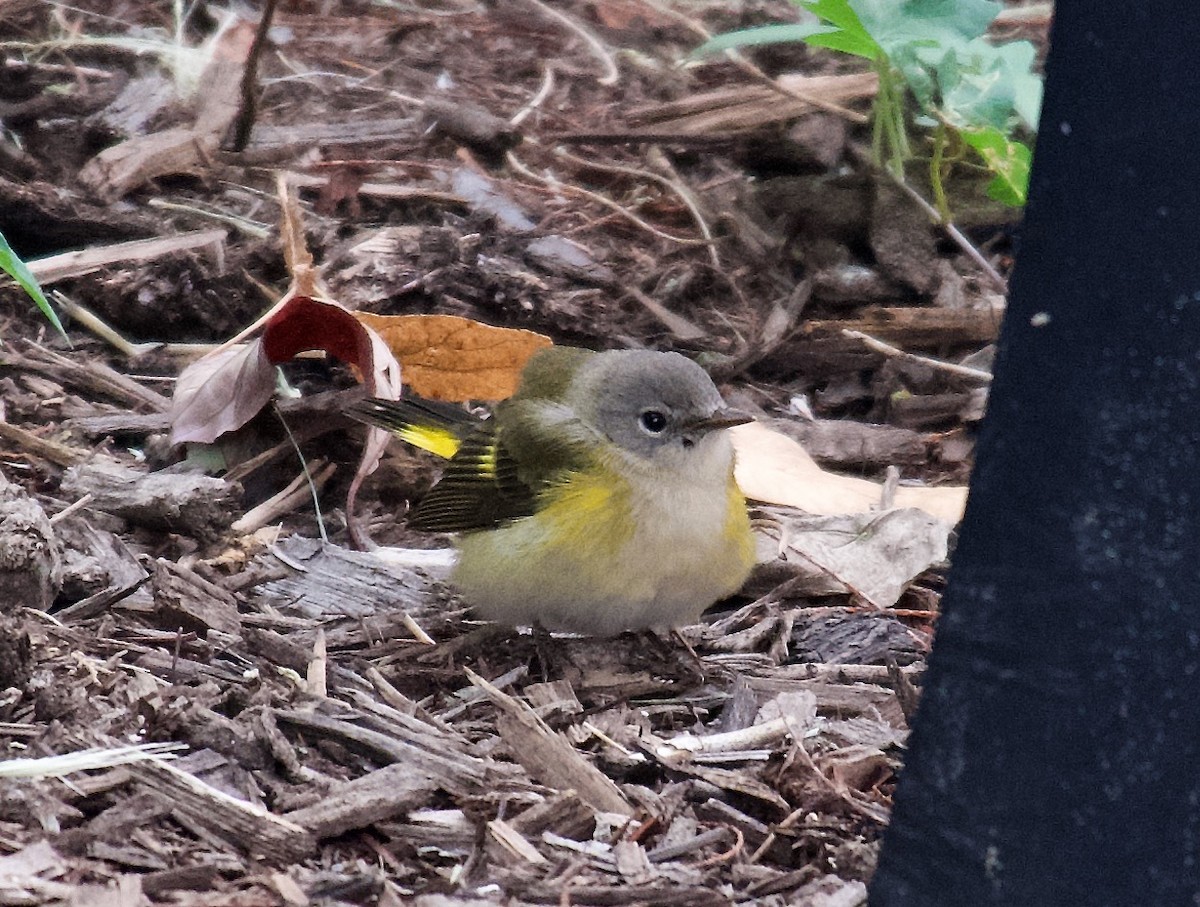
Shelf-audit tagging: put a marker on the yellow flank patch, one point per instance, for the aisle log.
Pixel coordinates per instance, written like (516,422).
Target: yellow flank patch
(439,441)
(589,511)
(737,525)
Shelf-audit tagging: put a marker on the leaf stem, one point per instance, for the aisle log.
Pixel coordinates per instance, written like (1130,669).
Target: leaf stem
(936,162)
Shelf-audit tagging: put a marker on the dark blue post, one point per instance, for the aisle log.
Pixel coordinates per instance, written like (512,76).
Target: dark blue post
(1056,754)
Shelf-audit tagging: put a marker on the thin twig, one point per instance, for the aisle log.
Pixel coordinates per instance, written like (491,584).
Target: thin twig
(97,325)
(675,186)
(791,819)
(288,499)
(538,99)
(250,228)
(249,109)
(962,371)
(557,185)
(739,843)
(312,487)
(71,509)
(865,809)
(673,180)
(611,74)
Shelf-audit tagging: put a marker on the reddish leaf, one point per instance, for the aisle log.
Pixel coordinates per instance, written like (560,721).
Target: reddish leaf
(304,323)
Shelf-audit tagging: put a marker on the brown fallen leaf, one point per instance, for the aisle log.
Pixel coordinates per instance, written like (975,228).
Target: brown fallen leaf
(220,393)
(773,468)
(446,357)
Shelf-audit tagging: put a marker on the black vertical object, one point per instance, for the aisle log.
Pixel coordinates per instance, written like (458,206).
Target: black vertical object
(1056,754)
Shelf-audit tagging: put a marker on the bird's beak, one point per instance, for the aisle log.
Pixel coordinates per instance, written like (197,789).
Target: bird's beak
(722,418)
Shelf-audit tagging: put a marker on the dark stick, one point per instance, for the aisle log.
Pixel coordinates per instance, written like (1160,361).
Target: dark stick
(249,109)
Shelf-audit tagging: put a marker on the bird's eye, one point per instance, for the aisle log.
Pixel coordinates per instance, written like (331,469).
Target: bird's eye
(653,421)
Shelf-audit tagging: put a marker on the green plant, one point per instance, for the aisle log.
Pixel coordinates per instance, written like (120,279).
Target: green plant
(12,264)
(973,94)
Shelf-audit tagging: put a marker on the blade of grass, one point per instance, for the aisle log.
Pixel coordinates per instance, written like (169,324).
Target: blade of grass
(15,267)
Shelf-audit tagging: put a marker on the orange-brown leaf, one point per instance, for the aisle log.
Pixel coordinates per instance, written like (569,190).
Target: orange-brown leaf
(446,357)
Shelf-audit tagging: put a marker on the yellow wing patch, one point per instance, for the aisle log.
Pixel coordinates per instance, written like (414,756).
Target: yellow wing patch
(435,439)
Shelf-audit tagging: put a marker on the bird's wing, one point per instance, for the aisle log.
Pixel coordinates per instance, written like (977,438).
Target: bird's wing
(498,472)
(479,489)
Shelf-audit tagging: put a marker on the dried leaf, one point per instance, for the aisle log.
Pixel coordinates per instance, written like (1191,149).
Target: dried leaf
(220,393)
(450,358)
(295,250)
(225,389)
(773,468)
(876,555)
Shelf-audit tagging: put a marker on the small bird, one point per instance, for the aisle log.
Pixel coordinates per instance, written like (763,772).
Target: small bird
(599,498)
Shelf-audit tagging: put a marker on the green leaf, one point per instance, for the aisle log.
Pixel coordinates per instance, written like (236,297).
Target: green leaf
(1007,159)
(895,24)
(939,48)
(12,263)
(848,34)
(766,34)
(983,85)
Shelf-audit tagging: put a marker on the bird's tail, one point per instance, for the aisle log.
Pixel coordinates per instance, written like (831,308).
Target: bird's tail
(436,427)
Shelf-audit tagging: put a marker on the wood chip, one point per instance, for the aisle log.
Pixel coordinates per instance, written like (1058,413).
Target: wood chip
(249,827)
(547,755)
(186,599)
(386,793)
(514,842)
(189,503)
(83,261)
(121,168)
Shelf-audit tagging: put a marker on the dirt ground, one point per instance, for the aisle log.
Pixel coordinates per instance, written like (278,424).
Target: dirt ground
(344,732)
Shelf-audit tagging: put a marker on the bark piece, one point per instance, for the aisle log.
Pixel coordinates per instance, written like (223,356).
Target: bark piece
(338,581)
(16,657)
(385,793)
(186,599)
(902,239)
(95,561)
(60,219)
(844,443)
(547,755)
(431,754)
(188,503)
(472,125)
(30,570)
(853,637)
(563,814)
(87,374)
(746,107)
(188,149)
(84,261)
(248,827)
(140,101)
